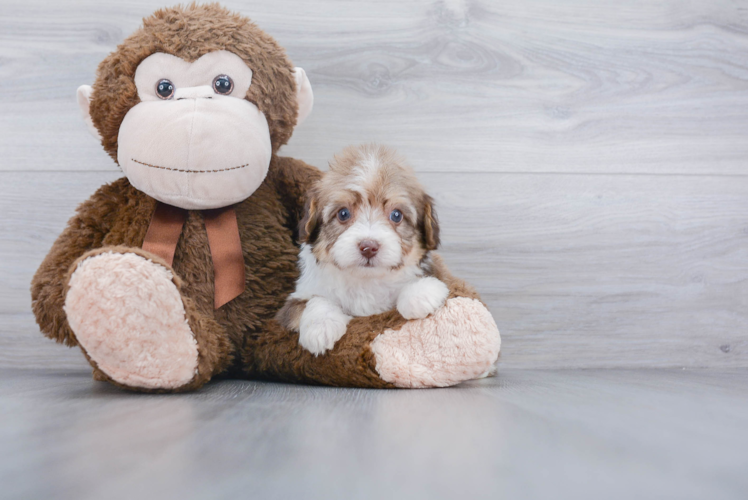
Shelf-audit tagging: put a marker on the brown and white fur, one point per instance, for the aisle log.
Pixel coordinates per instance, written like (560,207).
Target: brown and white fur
(366,237)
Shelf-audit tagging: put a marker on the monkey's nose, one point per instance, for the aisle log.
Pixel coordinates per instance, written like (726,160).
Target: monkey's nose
(368,248)
(194,92)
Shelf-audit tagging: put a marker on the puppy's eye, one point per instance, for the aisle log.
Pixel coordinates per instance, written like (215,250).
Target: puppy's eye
(396,216)
(223,84)
(344,214)
(165,89)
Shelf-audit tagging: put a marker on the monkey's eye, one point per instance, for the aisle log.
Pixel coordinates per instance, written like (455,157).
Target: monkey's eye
(165,89)
(223,84)
(344,214)
(396,216)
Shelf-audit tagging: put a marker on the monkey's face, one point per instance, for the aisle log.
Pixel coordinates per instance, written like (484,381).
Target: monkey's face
(193,115)
(194,140)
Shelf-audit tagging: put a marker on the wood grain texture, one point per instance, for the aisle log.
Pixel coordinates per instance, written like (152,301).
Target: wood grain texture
(22,346)
(588,157)
(526,434)
(578,270)
(536,86)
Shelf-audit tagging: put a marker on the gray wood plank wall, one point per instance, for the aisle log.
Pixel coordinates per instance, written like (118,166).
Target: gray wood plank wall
(588,157)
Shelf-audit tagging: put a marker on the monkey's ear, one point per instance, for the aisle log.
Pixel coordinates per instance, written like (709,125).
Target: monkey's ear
(84,103)
(430,225)
(304,95)
(309,225)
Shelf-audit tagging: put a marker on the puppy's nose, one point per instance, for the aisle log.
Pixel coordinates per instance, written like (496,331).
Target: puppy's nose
(368,248)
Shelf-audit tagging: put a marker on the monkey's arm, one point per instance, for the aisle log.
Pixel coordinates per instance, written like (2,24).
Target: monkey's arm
(85,231)
(292,179)
(458,342)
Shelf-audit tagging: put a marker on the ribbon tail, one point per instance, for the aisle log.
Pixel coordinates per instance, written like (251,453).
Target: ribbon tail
(164,230)
(226,250)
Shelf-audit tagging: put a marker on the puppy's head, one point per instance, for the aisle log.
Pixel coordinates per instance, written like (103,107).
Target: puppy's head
(369,213)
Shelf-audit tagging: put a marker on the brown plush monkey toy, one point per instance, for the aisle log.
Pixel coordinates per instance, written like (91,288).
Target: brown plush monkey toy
(173,274)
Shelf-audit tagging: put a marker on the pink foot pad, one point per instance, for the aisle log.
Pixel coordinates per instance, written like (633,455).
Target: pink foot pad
(128,315)
(458,342)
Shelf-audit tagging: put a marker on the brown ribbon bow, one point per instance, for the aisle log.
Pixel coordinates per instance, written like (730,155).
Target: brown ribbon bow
(223,238)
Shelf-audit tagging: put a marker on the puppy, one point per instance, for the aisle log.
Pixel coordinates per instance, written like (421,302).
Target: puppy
(366,235)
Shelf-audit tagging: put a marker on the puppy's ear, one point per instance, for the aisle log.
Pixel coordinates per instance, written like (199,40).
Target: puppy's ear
(309,225)
(429,225)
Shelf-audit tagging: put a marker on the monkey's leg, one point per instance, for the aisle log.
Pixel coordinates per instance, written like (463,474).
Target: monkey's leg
(135,326)
(459,342)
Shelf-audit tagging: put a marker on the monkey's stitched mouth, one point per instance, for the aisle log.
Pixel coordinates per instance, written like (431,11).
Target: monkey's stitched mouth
(190,171)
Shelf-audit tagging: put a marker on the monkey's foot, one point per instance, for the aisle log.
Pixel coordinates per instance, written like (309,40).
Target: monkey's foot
(459,342)
(129,318)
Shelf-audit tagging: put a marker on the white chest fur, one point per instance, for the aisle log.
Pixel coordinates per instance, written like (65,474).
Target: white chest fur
(358,292)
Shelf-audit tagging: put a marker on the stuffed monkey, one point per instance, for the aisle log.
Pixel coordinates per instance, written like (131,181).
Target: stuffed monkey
(174,273)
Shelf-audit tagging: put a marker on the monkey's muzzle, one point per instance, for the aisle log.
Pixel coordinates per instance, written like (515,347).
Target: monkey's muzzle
(195,153)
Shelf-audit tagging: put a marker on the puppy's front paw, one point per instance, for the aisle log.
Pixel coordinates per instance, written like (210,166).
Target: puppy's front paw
(322,324)
(422,298)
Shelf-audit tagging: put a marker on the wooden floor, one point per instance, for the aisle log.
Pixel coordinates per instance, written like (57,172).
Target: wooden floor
(616,434)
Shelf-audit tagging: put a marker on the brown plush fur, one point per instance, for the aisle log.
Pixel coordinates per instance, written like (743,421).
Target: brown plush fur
(241,338)
(191,32)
